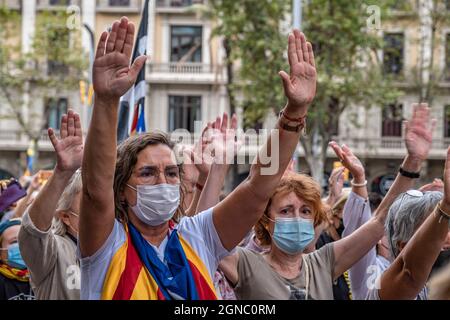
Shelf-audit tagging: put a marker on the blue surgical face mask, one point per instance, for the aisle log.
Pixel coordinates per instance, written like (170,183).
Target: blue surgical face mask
(293,235)
(14,257)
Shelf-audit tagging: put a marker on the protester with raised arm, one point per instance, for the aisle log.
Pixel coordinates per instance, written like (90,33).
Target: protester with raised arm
(417,227)
(129,246)
(50,253)
(357,212)
(286,271)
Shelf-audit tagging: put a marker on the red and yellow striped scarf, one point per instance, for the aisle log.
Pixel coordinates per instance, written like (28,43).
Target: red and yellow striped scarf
(14,273)
(128,278)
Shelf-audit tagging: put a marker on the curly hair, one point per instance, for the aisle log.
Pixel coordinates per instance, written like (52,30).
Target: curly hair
(305,188)
(127,154)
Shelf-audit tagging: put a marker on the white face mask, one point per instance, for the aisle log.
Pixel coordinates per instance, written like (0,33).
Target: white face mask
(156,204)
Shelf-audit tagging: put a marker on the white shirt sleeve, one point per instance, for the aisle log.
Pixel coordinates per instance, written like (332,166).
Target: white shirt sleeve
(201,234)
(356,213)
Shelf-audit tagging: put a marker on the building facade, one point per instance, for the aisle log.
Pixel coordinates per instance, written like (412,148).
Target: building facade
(187,82)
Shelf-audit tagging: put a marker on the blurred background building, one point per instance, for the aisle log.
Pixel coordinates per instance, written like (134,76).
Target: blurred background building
(187,82)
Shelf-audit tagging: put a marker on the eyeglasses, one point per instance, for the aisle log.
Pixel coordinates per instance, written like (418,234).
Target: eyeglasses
(411,193)
(151,175)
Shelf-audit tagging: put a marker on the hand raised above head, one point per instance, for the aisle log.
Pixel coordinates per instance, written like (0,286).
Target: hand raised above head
(300,85)
(112,74)
(349,160)
(419,132)
(69,148)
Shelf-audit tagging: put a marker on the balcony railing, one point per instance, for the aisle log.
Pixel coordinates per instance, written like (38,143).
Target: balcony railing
(11,4)
(186,68)
(18,140)
(177,3)
(56,4)
(385,145)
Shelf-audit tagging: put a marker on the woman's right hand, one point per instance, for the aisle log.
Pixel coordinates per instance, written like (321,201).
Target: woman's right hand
(350,161)
(112,74)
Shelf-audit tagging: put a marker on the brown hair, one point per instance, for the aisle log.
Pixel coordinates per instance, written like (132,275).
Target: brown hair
(127,154)
(305,188)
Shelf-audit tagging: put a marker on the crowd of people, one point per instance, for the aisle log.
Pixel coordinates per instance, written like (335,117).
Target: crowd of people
(147,219)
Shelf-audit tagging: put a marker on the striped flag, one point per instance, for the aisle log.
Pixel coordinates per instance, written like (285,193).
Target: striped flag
(132,104)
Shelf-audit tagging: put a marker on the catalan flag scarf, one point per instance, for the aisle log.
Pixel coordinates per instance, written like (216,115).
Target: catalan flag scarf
(14,273)
(136,272)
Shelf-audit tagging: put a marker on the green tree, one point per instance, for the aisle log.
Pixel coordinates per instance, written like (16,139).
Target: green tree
(55,62)
(251,33)
(349,72)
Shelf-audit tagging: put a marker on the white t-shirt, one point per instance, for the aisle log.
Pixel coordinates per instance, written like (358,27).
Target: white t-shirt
(198,231)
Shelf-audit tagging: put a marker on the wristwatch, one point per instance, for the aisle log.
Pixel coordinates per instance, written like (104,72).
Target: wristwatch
(407,174)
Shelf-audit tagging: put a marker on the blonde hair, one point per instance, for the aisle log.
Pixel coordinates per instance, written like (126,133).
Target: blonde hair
(305,188)
(66,200)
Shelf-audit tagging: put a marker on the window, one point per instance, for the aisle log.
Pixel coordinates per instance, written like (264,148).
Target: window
(59,2)
(186,44)
(119,3)
(393,53)
(447,121)
(392,120)
(404,5)
(447,57)
(183,111)
(54,111)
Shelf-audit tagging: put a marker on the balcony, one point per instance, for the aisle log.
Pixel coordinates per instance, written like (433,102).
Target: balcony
(119,6)
(176,6)
(176,72)
(56,4)
(388,147)
(11,140)
(11,4)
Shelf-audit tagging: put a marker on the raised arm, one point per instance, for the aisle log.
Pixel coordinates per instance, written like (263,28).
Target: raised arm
(235,215)
(354,165)
(69,154)
(418,139)
(336,184)
(26,201)
(196,157)
(409,272)
(112,78)
(223,138)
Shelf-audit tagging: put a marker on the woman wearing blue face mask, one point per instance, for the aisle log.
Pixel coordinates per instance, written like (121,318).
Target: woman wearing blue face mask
(131,245)
(288,225)
(14,277)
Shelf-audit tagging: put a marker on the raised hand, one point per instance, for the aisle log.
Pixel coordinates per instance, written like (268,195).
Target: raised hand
(69,147)
(112,74)
(300,85)
(350,161)
(336,184)
(436,185)
(419,132)
(223,139)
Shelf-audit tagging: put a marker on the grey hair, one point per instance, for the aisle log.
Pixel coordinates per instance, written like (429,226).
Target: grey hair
(65,202)
(406,215)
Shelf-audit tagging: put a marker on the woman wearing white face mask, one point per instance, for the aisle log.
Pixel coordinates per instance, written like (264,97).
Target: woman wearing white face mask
(129,245)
